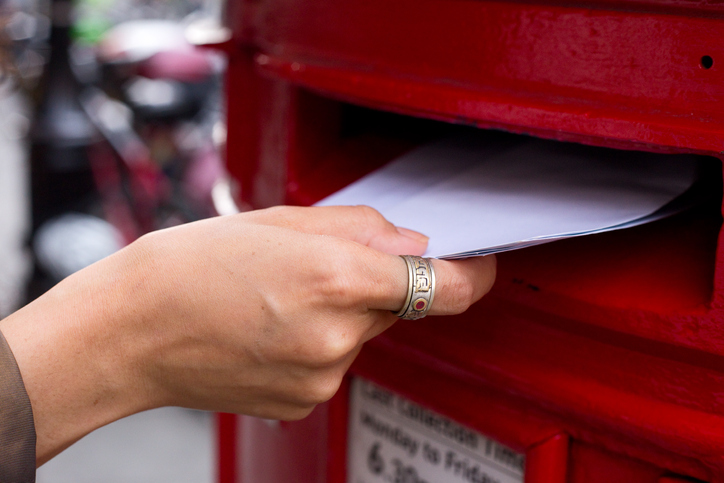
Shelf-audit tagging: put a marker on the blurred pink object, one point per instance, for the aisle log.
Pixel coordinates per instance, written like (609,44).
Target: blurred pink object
(192,65)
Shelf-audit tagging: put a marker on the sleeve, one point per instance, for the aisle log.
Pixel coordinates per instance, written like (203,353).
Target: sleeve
(17,428)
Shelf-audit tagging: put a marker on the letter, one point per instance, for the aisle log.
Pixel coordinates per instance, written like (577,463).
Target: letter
(422,284)
(413,447)
(449,459)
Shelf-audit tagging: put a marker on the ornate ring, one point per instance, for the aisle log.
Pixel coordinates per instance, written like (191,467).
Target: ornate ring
(420,288)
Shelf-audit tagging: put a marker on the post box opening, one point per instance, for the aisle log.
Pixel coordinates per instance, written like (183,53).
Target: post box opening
(664,266)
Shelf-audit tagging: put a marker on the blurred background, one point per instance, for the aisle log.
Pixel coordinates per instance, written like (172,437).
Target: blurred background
(112,126)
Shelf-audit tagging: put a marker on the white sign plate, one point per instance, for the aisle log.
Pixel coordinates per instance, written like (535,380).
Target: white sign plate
(393,440)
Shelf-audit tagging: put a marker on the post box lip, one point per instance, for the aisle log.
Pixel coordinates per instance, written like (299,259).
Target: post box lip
(595,300)
(539,116)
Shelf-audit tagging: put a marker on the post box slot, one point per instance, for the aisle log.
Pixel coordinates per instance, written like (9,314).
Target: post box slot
(665,266)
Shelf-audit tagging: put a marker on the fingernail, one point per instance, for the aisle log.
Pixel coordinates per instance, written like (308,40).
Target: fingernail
(417,236)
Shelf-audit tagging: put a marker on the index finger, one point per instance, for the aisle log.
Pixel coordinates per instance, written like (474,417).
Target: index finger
(360,224)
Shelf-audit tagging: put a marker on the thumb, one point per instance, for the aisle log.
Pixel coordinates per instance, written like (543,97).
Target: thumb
(360,224)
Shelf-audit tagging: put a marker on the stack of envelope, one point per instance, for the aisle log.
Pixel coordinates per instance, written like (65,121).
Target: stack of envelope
(474,196)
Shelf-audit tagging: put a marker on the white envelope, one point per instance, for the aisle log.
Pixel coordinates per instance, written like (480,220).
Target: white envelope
(472,196)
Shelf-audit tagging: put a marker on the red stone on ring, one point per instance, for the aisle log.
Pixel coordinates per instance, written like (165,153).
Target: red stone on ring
(420,304)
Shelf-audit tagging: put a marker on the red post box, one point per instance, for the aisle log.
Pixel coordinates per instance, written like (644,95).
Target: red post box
(598,359)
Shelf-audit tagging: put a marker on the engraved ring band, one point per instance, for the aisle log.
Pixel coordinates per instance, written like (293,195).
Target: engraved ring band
(420,288)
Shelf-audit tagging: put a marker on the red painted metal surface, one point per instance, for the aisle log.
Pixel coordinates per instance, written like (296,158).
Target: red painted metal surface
(601,358)
(283,451)
(576,72)
(227,447)
(549,460)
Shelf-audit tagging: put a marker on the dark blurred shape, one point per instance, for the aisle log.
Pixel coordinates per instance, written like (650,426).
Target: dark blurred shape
(61,132)
(126,140)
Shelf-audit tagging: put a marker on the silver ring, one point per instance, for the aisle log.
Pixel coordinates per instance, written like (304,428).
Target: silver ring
(420,288)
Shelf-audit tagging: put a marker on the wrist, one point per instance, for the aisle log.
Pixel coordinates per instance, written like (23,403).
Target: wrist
(74,347)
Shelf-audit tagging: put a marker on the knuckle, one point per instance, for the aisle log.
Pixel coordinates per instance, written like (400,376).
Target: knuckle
(335,289)
(322,389)
(370,216)
(298,412)
(367,211)
(333,347)
(289,410)
(335,283)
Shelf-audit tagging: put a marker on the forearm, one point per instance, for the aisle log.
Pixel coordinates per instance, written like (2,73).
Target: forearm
(75,357)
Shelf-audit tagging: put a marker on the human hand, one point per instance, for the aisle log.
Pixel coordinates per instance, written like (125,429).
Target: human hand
(269,309)
(260,313)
